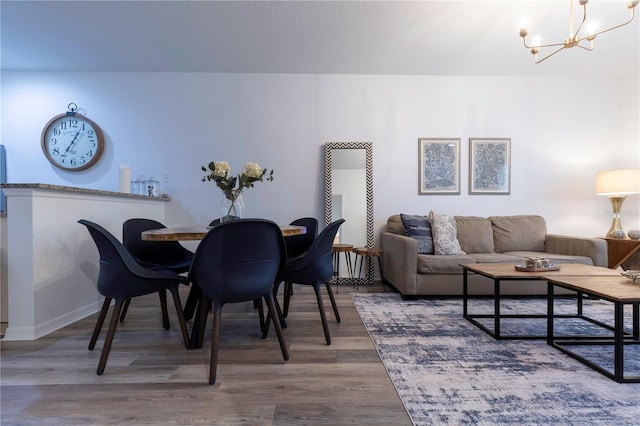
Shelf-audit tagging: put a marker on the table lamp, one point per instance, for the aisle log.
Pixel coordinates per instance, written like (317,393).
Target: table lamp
(617,184)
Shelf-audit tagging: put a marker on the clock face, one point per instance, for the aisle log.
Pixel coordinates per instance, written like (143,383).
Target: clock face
(72,142)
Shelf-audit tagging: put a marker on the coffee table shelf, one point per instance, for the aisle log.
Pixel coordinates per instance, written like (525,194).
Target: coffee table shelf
(615,289)
(499,272)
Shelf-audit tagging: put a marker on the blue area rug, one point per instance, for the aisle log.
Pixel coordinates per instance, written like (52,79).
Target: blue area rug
(449,372)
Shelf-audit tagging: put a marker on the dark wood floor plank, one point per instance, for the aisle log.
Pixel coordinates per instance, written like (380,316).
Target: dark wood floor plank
(151,378)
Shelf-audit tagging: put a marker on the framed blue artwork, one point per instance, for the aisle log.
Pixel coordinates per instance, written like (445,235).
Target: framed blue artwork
(439,166)
(490,166)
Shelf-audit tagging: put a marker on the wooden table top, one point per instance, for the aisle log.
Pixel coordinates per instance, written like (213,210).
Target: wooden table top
(508,271)
(616,289)
(196,233)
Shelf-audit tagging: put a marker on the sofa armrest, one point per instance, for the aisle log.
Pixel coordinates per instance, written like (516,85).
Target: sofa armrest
(594,248)
(400,261)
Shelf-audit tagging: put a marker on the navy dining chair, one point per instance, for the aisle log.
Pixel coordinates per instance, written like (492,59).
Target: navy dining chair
(169,255)
(297,246)
(121,278)
(315,268)
(237,261)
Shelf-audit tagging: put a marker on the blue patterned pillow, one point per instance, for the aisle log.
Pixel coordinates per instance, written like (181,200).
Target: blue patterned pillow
(419,228)
(445,232)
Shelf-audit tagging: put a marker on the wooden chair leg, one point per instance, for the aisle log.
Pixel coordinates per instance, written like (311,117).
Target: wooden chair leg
(288,291)
(323,316)
(215,345)
(267,324)
(333,302)
(280,315)
(181,320)
(125,308)
(99,322)
(197,335)
(163,305)
(192,302)
(115,317)
(283,344)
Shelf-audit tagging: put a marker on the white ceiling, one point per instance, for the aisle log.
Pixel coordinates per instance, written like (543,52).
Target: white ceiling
(338,37)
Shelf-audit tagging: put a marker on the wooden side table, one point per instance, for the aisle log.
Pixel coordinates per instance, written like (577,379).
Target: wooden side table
(337,249)
(623,252)
(367,253)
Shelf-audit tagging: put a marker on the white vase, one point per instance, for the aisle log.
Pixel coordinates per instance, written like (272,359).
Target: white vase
(231,205)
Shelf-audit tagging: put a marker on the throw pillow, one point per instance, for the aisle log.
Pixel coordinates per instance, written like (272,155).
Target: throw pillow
(418,227)
(444,232)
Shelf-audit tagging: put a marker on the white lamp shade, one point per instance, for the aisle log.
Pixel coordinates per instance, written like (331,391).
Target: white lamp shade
(618,182)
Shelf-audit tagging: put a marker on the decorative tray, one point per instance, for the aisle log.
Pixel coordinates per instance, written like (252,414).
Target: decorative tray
(633,275)
(551,267)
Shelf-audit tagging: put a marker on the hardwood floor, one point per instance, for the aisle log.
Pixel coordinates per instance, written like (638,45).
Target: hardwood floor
(151,378)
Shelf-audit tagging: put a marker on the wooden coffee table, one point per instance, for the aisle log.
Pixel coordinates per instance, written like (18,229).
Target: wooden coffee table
(616,289)
(499,272)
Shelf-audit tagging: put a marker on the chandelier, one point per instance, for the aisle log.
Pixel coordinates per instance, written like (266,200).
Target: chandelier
(575,38)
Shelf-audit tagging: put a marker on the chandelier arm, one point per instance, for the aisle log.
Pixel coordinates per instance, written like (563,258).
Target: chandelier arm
(537,61)
(584,18)
(617,26)
(584,47)
(524,40)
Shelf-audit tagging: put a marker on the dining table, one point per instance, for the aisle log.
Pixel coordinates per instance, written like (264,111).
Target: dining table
(197,233)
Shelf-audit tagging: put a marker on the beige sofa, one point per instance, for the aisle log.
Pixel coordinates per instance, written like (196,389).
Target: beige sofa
(494,239)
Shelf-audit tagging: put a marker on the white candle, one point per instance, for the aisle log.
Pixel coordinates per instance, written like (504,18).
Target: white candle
(125,179)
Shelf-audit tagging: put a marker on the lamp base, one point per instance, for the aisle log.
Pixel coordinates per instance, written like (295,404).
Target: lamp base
(615,231)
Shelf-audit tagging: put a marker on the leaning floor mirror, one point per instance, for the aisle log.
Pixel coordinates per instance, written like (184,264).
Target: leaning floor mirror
(349,196)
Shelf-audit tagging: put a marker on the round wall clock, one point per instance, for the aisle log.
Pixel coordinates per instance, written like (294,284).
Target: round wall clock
(71,141)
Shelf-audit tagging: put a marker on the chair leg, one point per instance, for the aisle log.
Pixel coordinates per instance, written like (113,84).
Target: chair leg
(323,316)
(266,325)
(283,322)
(197,334)
(215,345)
(288,291)
(333,302)
(125,308)
(267,321)
(192,302)
(283,344)
(181,320)
(115,317)
(163,305)
(99,322)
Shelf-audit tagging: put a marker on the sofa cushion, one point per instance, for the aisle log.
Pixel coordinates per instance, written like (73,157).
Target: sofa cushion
(394,224)
(418,227)
(444,230)
(475,234)
(438,264)
(518,233)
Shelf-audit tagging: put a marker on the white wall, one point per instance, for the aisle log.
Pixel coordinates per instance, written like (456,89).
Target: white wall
(563,132)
